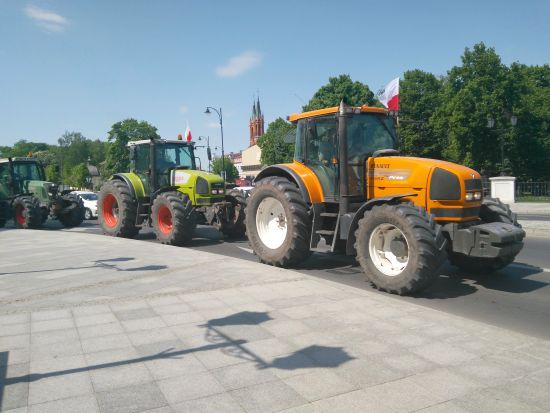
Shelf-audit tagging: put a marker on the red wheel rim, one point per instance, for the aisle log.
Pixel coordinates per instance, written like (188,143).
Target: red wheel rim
(20,215)
(164,218)
(110,210)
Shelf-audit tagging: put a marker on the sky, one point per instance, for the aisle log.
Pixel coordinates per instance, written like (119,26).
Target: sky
(76,65)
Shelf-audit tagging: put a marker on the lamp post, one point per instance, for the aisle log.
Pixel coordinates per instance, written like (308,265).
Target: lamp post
(219,112)
(501,131)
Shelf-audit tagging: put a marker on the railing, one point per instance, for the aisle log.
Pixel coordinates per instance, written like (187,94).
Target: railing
(532,191)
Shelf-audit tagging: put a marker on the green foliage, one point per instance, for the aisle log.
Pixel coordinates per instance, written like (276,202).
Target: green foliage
(274,149)
(116,159)
(78,176)
(338,88)
(23,148)
(231,172)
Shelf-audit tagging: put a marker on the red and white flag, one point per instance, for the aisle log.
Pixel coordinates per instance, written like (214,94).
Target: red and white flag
(188,136)
(389,95)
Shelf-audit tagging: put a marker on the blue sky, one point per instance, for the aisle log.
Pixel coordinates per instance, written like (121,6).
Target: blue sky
(82,65)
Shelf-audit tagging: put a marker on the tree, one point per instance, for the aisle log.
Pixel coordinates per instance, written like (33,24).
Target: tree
(116,159)
(338,88)
(231,172)
(274,149)
(420,96)
(78,176)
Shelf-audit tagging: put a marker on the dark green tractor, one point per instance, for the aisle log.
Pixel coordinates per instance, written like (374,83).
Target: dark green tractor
(164,190)
(28,199)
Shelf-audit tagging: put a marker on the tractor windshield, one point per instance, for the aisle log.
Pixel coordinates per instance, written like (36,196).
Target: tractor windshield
(172,155)
(28,171)
(368,133)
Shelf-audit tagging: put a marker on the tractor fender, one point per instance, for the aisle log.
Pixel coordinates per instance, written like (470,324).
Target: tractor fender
(126,180)
(367,206)
(285,171)
(165,189)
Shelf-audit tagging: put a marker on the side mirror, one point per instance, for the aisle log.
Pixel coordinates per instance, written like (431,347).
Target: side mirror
(132,153)
(209,153)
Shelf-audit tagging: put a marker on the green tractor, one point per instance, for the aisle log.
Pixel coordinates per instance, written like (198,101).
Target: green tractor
(28,199)
(164,190)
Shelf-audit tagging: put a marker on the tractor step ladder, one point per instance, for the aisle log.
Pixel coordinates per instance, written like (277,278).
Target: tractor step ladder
(143,212)
(324,231)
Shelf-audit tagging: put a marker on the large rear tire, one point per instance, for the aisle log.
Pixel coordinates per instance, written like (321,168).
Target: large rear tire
(117,210)
(235,228)
(278,223)
(75,216)
(173,218)
(400,248)
(27,213)
(4,213)
(491,210)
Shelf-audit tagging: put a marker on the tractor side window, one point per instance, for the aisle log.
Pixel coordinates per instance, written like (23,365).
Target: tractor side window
(4,180)
(142,158)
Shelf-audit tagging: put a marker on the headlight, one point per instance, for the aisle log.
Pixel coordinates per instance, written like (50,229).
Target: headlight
(477,196)
(469,196)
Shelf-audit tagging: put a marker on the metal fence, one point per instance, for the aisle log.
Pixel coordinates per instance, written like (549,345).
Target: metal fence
(532,191)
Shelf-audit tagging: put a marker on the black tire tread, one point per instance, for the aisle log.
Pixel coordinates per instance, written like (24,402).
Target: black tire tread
(75,216)
(298,247)
(31,205)
(183,218)
(127,229)
(430,245)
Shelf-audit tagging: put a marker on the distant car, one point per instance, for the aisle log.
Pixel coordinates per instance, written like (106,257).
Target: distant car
(90,203)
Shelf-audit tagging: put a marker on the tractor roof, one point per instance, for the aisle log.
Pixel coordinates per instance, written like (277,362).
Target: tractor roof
(327,111)
(19,159)
(147,141)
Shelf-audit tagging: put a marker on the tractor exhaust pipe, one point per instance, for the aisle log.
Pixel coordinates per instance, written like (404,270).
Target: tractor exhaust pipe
(343,150)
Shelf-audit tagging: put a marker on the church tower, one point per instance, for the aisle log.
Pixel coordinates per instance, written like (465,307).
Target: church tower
(256,123)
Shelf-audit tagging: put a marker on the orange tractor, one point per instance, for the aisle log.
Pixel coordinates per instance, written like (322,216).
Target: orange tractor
(349,190)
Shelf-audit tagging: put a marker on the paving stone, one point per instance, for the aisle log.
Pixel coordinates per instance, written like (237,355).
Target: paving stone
(521,362)
(155,335)
(55,336)
(488,371)
(243,375)
(108,378)
(94,319)
(318,385)
(494,400)
(17,356)
(55,350)
(57,365)
(403,395)
(14,318)
(530,392)
(93,345)
(16,390)
(80,404)
(189,386)
(182,318)
(59,387)
(443,353)
(15,329)
(131,399)
(356,401)
(143,324)
(444,383)
(445,407)
(138,313)
(539,350)
(48,325)
(408,362)
(211,404)
(90,310)
(268,397)
(282,328)
(100,330)
(368,372)
(50,315)
(269,348)
(176,308)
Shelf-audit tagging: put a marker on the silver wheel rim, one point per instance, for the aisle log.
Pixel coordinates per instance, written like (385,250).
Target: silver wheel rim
(271,223)
(386,261)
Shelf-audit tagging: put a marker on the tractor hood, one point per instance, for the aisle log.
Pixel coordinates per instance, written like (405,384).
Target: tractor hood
(401,171)
(39,189)
(188,178)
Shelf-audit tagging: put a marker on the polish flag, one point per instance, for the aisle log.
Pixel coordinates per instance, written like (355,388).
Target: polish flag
(389,95)
(188,136)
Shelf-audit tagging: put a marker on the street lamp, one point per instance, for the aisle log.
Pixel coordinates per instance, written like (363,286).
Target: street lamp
(219,112)
(500,131)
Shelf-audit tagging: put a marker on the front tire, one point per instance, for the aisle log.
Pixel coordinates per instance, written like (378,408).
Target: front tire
(491,210)
(75,216)
(173,218)
(400,248)
(87,214)
(278,223)
(117,210)
(27,213)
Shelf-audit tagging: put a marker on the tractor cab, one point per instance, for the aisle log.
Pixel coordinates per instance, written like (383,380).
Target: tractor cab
(331,145)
